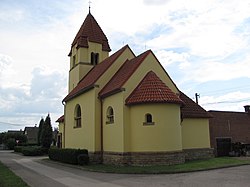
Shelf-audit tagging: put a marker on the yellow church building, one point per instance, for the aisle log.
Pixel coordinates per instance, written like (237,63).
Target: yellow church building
(125,109)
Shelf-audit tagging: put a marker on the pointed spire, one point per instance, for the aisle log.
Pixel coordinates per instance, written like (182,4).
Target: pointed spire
(90,31)
(89,6)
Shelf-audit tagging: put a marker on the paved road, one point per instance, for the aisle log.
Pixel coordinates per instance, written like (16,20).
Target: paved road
(46,174)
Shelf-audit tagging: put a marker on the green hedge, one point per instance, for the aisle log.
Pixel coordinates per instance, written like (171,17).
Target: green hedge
(69,156)
(18,149)
(33,151)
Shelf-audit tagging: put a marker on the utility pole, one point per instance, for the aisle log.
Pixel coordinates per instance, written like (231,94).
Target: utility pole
(196,97)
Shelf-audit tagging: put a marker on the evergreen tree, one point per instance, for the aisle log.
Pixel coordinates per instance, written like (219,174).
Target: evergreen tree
(40,131)
(46,135)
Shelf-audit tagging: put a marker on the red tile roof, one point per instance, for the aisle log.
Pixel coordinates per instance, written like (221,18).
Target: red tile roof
(152,90)
(122,75)
(94,74)
(192,109)
(90,31)
(61,119)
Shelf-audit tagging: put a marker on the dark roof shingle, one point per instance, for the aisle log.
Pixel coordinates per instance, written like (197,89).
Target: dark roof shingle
(90,31)
(60,119)
(192,109)
(152,90)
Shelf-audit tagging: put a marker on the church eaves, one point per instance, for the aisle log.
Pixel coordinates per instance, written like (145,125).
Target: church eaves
(90,31)
(192,109)
(152,90)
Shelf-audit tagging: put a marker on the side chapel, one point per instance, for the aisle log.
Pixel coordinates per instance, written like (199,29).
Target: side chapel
(125,108)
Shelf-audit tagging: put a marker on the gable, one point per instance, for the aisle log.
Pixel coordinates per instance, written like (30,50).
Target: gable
(122,75)
(132,72)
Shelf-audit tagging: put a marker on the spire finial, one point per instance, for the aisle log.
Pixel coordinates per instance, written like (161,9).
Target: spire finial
(89,5)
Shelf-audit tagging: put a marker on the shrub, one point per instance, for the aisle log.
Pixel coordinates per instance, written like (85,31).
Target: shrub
(83,159)
(18,149)
(32,151)
(10,143)
(69,156)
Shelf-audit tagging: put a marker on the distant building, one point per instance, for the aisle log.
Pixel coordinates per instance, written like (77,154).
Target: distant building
(32,134)
(15,131)
(229,127)
(60,141)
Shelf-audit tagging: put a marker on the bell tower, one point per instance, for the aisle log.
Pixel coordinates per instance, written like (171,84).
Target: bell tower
(89,48)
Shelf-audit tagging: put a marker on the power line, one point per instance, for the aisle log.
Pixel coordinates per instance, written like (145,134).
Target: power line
(246,87)
(229,101)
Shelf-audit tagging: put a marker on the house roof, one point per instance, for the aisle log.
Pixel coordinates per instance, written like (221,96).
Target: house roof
(237,117)
(152,90)
(192,109)
(88,81)
(122,75)
(60,119)
(90,31)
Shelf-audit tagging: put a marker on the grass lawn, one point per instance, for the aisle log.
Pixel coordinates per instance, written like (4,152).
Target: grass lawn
(180,168)
(9,179)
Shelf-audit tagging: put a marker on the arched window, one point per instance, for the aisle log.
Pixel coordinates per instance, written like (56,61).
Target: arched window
(94,58)
(78,116)
(110,115)
(148,119)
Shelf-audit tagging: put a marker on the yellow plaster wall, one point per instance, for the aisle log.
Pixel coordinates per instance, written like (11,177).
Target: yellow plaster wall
(83,137)
(83,62)
(77,73)
(113,136)
(164,135)
(93,47)
(150,63)
(103,80)
(195,133)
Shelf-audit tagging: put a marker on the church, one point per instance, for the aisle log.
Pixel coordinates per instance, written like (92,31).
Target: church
(125,109)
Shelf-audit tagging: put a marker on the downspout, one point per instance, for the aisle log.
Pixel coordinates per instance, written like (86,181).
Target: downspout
(101,130)
(63,143)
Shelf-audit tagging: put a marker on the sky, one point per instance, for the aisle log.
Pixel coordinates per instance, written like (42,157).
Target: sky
(203,45)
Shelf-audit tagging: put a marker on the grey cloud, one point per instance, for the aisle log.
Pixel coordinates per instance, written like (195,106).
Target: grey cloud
(155,2)
(45,95)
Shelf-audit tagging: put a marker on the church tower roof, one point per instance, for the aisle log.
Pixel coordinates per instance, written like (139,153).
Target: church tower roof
(92,32)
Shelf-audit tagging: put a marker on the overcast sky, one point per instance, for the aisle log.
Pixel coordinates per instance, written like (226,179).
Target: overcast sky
(203,45)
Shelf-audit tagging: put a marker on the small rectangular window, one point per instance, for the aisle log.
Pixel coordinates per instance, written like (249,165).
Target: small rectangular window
(74,60)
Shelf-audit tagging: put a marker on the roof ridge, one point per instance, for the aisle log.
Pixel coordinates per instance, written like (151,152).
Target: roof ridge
(122,77)
(227,111)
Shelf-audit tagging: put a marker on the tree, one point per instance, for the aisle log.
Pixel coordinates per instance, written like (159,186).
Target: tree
(41,123)
(1,137)
(10,139)
(46,134)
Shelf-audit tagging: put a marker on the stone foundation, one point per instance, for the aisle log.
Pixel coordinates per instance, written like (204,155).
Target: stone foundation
(143,158)
(198,154)
(95,157)
(150,158)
